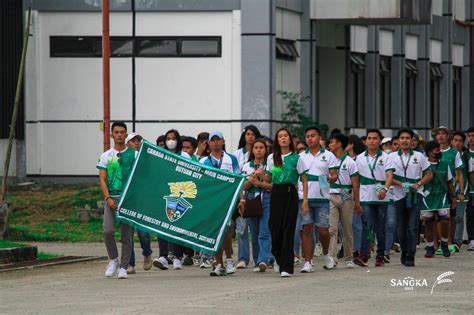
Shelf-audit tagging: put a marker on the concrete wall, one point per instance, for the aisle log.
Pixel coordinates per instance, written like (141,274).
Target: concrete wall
(64,95)
(287,75)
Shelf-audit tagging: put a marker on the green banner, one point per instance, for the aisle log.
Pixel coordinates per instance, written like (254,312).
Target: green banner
(179,200)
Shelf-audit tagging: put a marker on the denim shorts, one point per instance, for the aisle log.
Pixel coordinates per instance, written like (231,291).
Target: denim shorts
(318,213)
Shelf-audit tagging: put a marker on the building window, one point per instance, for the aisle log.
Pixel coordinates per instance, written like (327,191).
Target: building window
(286,49)
(457,98)
(411,72)
(435,77)
(156,47)
(73,46)
(356,106)
(200,47)
(385,93)
(91,46)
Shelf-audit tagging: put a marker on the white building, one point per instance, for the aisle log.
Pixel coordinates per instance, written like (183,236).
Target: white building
(217,64)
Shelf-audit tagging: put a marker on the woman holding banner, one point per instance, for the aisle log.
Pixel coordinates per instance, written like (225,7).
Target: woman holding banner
(257,187)
(284,167)
(173,143)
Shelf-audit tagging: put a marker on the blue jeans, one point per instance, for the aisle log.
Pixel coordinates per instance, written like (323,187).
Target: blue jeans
(374,218)
(407,225)
(144,244)
(356,231)
(390,226)
(459,220)
(242,229)
(297,245)
(261,236)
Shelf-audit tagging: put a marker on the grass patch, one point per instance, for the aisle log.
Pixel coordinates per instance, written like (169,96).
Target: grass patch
(46,256)
(7,244)
(48,213)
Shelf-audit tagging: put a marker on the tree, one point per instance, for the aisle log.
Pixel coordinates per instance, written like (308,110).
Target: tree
(296,119)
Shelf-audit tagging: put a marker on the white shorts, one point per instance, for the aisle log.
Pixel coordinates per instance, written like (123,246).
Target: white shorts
(427,215)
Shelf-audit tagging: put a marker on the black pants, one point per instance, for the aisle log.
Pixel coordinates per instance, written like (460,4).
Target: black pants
(470,219)
(283,214)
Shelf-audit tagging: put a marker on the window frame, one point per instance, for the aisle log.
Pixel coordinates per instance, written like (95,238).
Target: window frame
(436,75)
(385,91)
(357,89)
(457,98)
(97,53)
(285,49)
(411,74)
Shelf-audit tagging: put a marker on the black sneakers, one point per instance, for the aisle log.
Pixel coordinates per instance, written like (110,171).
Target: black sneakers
(445,249)
(430,252)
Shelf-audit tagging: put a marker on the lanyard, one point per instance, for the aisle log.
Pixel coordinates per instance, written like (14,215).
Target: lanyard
(344,156)
(219,164)
(372,167)
(405,167)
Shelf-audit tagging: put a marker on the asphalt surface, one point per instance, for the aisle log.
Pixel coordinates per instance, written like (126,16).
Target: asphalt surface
(82,288)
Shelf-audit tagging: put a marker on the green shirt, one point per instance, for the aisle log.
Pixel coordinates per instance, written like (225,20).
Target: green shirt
(118,166)
(436,191)
(452,157)
(293,167)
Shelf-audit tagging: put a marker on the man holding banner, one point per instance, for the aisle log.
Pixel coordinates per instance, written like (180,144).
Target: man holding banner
(183,201)
(114,167)
(222,160)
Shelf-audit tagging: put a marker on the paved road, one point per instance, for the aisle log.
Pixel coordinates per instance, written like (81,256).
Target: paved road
(82,288)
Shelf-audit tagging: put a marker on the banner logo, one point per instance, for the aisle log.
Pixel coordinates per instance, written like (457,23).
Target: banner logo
(176,204)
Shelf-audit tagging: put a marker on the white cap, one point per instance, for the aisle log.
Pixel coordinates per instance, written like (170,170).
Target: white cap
(386,140)
(131,136)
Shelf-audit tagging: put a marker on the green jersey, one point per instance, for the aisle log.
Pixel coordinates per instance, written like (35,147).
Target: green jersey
(118,166)
(436,191)
(293,167)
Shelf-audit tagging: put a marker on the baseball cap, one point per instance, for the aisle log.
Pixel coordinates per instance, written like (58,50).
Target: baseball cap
(436,130)
(386,140)
(216,133)
(131,136)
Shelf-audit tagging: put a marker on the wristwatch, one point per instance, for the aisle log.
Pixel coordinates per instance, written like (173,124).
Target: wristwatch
(385,188)
(419,183)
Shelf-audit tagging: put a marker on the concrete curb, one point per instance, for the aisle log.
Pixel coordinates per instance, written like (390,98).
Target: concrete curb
(46,264)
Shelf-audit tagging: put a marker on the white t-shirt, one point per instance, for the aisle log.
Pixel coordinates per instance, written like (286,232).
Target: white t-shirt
(318,165)
(242,156)
(347,168)
(415,163)
(380,164)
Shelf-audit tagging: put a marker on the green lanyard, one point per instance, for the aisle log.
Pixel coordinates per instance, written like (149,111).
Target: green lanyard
(372,167)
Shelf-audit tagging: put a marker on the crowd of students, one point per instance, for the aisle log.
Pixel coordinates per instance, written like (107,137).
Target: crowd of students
(373,195)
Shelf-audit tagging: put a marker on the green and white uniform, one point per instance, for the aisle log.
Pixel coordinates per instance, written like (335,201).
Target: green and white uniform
(452,157)
(318,167)
(347,168)
(436,191)
(293,167)
(409,168)
(372,176)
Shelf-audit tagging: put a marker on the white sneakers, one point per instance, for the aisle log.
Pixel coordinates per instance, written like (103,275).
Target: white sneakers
(307,268)
(217,271)
(229,266)
(471,246)
(241,265)
(285,274)
(177,264)
(112,268)
(350,265)
(328,262)
(206,263)
(161,263)
(123,273)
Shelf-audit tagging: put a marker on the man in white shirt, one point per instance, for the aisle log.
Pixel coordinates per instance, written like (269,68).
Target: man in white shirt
(412,171)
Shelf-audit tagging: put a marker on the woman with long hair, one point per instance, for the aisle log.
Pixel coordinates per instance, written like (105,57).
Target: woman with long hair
(249,134)
(284,167)
(257,187)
